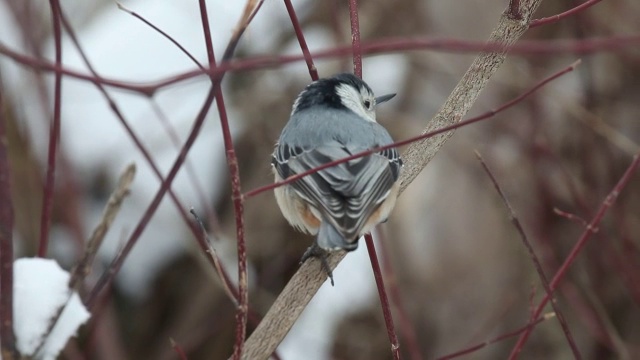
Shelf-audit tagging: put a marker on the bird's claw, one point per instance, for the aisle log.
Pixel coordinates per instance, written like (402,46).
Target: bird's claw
(322,255)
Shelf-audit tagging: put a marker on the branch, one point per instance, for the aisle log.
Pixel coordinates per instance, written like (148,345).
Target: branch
(534,258)
(513,333)
(384,300)
(556,18)
(250,9)
(306,282)
(7,337)
(83,268)
(313,72)
(54,137)
(591,229)
(149,87)
(107,278)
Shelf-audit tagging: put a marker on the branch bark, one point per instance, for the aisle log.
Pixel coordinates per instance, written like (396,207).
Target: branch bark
(306,282)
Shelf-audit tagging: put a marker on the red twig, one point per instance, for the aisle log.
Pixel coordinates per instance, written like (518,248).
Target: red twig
(234,170)
(384,300)
(390,45)
(313,72)
(178,349)
(586,235)
(572,217)
(405,323)
(161,32)
(516,332)
(486,115)
(355,38)
(7,337)
(558,17)
(54,137)
(534,258)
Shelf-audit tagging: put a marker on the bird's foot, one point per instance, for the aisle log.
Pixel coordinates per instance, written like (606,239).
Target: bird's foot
(322,255)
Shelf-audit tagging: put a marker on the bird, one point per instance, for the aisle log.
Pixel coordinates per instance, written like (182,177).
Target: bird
(331,119)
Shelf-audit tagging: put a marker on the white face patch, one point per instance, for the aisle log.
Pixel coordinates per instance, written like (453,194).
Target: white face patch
(357,101)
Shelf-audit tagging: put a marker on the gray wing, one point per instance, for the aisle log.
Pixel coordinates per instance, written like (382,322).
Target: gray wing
(346,194)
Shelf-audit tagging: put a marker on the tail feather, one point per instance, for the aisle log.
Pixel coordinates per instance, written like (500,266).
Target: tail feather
(329,238)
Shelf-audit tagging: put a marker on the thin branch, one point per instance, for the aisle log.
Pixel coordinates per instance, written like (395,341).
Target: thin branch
(558,17)
(132,134)
(510,334)
(178,349)
(215,260)
(384,300)
(355,38)
(313,72)
(106,279)
(383,46)
(406,326)
(375,265)
(234,170)
(572,217)
(307,280)
(424,136)
(230,289)
(591,229)
(7,337)
(161,32)
(534,258)
(203,240)
(54,137)
(190,170)
(83,268)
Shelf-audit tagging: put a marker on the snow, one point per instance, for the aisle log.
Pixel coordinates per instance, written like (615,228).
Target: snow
(39,290)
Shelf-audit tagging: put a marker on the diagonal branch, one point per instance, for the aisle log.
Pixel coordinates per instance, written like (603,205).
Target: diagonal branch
(306,282)
(536,262)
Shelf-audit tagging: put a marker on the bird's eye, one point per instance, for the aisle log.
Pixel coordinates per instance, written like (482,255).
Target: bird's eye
(368,104)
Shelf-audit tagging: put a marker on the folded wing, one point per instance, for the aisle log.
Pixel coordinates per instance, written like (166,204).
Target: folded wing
(345,194)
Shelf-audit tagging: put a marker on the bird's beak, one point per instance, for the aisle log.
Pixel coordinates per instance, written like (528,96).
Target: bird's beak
(384,98)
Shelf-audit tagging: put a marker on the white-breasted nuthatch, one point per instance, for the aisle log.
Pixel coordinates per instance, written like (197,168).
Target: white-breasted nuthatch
(334,118)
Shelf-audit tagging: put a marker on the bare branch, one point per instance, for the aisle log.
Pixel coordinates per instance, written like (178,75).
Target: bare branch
(7,337)
(384,300)
(586,235)
(534,258)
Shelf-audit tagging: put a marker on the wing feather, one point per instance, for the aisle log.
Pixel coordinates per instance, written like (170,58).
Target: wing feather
(346,194)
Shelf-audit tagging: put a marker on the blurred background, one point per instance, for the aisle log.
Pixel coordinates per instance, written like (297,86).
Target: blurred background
(462,273)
